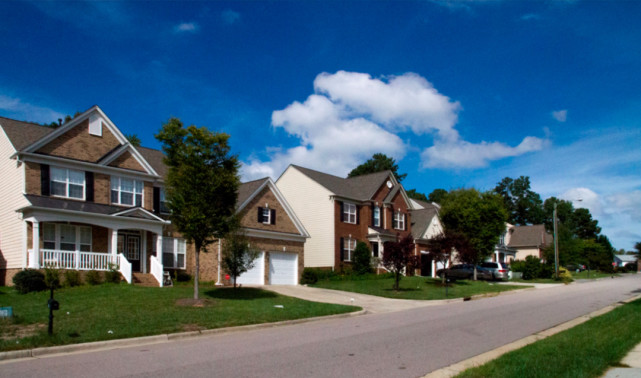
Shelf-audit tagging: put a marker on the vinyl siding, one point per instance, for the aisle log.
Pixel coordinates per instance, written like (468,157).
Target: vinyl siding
(312,204)
(434,229)
(11,191)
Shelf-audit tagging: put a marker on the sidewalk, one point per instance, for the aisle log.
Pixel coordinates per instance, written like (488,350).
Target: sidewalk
(633,360)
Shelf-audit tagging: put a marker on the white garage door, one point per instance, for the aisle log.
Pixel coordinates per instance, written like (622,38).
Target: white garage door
(256,275)
(283,268)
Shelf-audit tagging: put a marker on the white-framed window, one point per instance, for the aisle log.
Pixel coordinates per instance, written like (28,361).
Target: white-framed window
(349,212)
(266,215)
(126,191)
(349,245)
(173,252)
(163,202)
(377,216)
(66,237)
(67,183)
(399,220)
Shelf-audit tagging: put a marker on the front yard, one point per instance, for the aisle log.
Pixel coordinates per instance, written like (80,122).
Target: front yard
(422,288)
(108,311)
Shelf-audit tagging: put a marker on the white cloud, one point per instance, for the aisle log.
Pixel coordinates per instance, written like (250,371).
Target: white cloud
(560,115)
(585,198)
(186,27)
(230,17)
(626,203)
(13,107)
(462,154)
(530,16)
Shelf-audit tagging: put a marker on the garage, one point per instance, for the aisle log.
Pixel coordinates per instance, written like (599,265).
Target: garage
(256,275)
(283,268)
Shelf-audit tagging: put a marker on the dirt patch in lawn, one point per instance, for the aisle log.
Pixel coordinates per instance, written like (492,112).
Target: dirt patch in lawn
(19,331)
(190,302)
(192,327)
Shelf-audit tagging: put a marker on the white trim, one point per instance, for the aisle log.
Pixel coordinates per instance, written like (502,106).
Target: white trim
(348,254)
(121,191)
(67,183)
(134,209)
(347,206)
(136,155)
(273,235)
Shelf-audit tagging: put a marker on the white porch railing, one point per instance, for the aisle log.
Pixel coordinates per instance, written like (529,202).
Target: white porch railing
(157,270)
(77,260)
(125,268)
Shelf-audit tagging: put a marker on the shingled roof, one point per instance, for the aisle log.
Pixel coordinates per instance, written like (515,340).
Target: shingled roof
(422,218)
(246,189)
(526,236)
(155,159)
(360,187)
(22,134)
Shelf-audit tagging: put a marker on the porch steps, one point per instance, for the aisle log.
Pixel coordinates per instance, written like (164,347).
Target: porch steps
(144,279)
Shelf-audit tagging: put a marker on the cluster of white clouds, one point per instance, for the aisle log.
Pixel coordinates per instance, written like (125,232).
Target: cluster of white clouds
(350,116)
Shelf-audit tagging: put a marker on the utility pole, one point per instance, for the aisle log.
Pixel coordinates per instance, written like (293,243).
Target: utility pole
(556,245)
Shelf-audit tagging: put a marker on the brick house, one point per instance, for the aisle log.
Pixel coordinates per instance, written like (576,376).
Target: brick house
(338,212)
(81,197)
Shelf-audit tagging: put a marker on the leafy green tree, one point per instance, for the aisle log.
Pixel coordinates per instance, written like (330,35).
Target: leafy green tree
(412,193)
(238,256)
(398,256)
(133,139)
(437,195)
(584,226)
(480,217)
(637,246)
(523,205)
(362,263)
(378,163)
(201,185)
(442,246)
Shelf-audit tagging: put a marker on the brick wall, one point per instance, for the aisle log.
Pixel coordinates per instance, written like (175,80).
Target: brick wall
(78,144)
(249,215)
(102,188)
(32,178)
(127,161)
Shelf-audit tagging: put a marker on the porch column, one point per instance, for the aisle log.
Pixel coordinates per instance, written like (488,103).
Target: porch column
(114,243)
(159,248)
(35,237)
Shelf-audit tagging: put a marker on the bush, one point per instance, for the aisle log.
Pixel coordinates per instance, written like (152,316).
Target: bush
(517,266)
(547,271)
(93,277)
(182,276)
(309,277)
(631,267)
(565,275)
(72,278)
(362,259)
(29,280)
(112,275)
(52,278)
(532,268)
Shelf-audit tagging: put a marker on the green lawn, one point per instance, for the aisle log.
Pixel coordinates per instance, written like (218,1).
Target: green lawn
(593,275)
(415,287)
(89,313)
(586,350)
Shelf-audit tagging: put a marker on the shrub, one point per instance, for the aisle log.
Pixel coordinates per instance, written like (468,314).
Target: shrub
(565,275)
(72,278)
(93,277)
(362,259)
(317,274)
(532,268)
(29,280)
(112,275)
(182,276)
(547,271)
(517,266)
(52,278)
(631,267)
(309,276)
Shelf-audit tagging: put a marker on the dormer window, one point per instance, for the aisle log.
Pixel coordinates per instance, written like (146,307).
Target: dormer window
(125,191)
(349,213)
(67,183)
(399,220)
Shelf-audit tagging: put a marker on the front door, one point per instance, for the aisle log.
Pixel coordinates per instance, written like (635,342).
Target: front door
(426,265)
(129,245)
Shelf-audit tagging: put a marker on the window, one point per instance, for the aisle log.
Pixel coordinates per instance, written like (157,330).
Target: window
(173,252)
(399,220)
(266,215)
(66,237)
(349,212)
(67,183)
(349,245)
(163,202)
(377,216)
(126,191)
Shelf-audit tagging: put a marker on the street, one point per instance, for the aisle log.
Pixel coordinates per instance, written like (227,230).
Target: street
(397,344)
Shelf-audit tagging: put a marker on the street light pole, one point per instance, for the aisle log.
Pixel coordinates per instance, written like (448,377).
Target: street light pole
(556,245)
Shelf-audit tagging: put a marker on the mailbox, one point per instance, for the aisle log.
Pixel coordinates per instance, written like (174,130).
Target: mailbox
(53,304)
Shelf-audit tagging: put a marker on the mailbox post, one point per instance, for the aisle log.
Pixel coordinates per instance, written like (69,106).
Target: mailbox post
(53,305)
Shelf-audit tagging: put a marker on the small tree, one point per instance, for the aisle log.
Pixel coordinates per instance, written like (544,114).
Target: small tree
(443,246)
(202,184)
(397,256)
(238,255)
(362,263)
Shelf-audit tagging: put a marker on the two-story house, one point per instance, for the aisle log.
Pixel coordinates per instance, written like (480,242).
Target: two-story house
(81,197)
(426,225)
(338,212)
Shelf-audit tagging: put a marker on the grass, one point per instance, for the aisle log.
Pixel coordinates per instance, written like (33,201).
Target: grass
(109,311)
(586,350)
(593,275)
(415,287)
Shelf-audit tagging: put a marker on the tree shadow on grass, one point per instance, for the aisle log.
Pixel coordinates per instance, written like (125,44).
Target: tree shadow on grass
(402,289)
(240,293)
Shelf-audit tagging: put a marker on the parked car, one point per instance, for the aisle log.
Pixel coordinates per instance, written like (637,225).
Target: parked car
(464,271)
(499,270)
(575,266)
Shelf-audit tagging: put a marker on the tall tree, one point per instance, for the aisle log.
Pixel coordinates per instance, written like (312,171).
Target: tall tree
(480,217)
(238,254)
(379,162)
(201,185)
(524,206)
(133,139)
(398,256)
(437,195)
(442,246)
(637,246)
(412,193)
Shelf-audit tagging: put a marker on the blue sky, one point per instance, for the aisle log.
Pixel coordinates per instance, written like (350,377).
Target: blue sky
(461,93)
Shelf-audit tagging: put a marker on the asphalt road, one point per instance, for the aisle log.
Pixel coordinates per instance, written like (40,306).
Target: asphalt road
(397,344)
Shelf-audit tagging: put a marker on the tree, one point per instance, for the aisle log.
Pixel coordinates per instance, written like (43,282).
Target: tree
(362,258)
(133,139)
(443,245)
(437,195)
(524,206)
(412,193)
(238,254)
(584,226)
(378,163)
(398,256)
(479,217)
(201,185)
(637,246)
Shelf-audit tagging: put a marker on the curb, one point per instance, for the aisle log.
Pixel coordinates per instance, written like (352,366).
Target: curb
(156,339)
(459,367)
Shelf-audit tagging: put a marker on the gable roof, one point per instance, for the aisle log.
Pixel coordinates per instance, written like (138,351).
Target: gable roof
(526,236)
(361,188)
(22,134)
(155,159)
(422,218)
(626,258)
(247,190)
